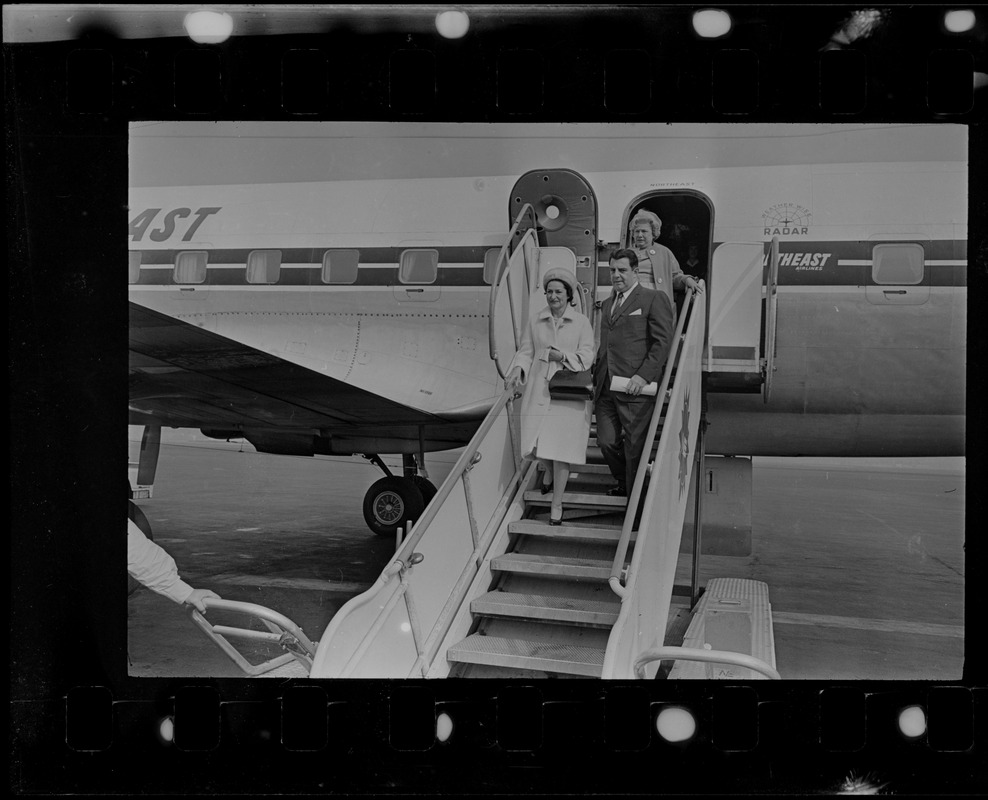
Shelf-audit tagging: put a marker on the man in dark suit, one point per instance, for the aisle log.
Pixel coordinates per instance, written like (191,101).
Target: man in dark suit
(636,332)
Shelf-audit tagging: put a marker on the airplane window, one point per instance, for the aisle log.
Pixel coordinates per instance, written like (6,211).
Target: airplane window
(263,266)
(419,266)
(340,266)
(900,264)
(490,262)
(134,266)
(190,267)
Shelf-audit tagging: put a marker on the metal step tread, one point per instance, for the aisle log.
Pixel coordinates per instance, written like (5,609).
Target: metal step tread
(589,469)
(553,609)
(553,565)
(531,527)
(595,456)
(577,499)
(521,654)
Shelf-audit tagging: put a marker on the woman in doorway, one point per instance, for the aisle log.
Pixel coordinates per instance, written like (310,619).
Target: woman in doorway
(657,266)
(554,431)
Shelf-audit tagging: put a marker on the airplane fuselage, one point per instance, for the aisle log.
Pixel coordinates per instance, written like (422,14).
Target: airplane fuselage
(861,368)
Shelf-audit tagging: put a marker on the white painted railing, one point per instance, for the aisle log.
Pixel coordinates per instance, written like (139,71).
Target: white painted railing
(392,630)
(646,592)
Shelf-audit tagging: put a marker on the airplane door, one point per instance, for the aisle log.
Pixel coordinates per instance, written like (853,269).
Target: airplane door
(734,341)
(516,273)
(566,213)
(517,291)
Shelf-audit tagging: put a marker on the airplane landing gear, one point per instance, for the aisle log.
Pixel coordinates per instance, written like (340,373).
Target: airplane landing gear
(427,487)
(393,502)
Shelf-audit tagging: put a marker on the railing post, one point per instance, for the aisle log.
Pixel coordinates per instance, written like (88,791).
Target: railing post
(509,417)
(413,617)
(466,493)
(697,515)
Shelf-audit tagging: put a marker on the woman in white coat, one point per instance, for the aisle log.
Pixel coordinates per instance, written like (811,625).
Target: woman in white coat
(554,431)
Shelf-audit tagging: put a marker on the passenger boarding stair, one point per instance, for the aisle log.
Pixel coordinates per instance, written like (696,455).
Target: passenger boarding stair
(550,608)
(483,586)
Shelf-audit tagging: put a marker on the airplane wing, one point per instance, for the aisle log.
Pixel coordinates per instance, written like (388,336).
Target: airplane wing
(184,376)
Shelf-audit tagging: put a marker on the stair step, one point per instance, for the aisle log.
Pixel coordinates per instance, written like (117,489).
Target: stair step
(553,565)
(589,469)
(599,613)
(594,456)
(521,654)
(531,527)
(577,500)
(593,448)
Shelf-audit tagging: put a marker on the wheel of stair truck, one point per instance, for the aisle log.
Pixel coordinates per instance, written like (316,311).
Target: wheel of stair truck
(426,487)
(390,503)
(135,515)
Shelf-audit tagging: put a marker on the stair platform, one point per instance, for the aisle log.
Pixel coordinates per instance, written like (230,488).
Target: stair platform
(735,615)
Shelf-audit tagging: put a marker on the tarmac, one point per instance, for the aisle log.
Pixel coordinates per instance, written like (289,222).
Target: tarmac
(864,558)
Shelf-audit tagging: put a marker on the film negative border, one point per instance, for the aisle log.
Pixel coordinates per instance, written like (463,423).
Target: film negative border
(79,724)
(423,737)
(623,63)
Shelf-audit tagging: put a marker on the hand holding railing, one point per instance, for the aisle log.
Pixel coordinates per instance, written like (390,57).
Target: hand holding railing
(281,631)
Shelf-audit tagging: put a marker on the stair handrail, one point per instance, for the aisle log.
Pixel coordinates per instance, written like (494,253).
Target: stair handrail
(405,557)
(500,266)
(463,463)
(617,566)
(673,653)
(523,478)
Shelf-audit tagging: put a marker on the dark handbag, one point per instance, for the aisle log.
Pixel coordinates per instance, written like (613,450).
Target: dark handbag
(568,385)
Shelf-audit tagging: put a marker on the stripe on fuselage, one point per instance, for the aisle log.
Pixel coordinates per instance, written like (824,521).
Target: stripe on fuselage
(835,263)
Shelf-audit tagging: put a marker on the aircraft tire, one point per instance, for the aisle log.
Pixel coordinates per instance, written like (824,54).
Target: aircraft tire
(135,514)
(390,503)
(427,487)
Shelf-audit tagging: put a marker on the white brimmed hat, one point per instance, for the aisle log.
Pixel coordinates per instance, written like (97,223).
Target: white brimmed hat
(564,275)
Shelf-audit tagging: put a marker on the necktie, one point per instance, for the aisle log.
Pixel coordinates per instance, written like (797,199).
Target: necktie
(616,305)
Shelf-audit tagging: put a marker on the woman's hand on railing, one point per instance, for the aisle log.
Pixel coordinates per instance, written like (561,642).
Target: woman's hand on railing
(515,382)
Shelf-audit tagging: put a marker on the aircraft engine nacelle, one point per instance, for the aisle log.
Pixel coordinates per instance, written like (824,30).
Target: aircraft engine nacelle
(282,444)
(219,433)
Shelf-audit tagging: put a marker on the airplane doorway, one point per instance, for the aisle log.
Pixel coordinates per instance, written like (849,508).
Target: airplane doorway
(686,230)
(687,225)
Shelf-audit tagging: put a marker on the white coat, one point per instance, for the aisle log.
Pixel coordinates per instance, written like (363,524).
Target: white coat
(556,430)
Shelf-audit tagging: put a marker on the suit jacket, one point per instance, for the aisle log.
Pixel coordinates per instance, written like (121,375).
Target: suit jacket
(637,341)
